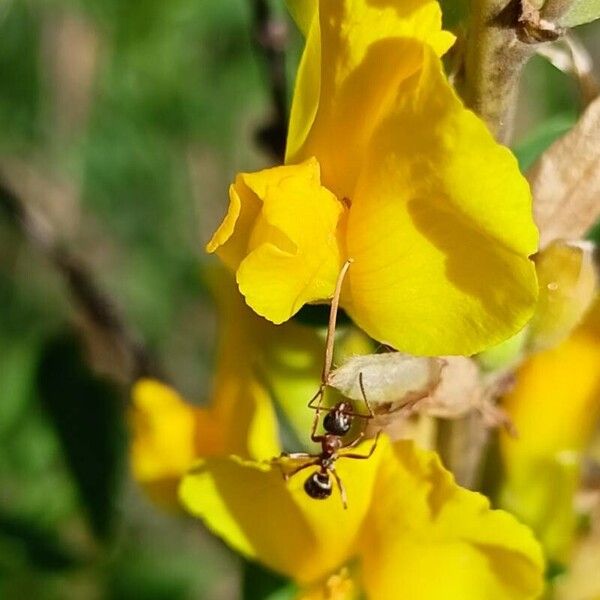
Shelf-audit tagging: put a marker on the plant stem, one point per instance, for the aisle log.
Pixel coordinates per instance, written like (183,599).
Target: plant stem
(494,59)
(270,38)
(502,37)
(98,307)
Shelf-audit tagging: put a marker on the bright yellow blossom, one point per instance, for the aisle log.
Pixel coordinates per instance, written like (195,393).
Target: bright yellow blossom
(385,165)
(409,531)
(555,406)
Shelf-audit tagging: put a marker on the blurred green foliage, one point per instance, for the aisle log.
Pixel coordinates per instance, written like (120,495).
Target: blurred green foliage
(148,137)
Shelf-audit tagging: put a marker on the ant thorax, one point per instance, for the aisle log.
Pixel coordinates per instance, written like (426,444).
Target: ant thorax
(330,444)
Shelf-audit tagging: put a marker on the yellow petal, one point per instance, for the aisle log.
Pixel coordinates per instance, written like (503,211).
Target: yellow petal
(232,236)
(568,282)
(440,228)
(163,440)
(169,435)
(291,251)
(356,55)
(431,539)
(241,418)
(302,12)
(582,581)
(555,406)
(411,525)
(264,518)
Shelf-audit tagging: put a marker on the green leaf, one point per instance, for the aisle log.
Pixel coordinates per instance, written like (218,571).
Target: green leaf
(42,548)
(18,360)
(581,11)
(317,315)
(594,234)
(532,147)
(259,583)
(86,414)
(454,12)
(20,74)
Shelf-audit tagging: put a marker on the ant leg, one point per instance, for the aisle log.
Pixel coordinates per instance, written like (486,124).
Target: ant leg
(355,441)
(369,454)
(364,395)
(318,395)
(335,301)
(315,423)
(341,487)
(295,455)
(312,463)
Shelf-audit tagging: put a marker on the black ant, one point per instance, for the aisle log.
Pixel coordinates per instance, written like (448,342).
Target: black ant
(336,423)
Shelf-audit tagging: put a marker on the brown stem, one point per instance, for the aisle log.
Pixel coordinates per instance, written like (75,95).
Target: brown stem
(462,444)
(494,59)
(98,307)
(502,37)
(270,37)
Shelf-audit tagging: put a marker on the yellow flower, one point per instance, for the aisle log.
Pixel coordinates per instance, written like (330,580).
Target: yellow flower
(409,531)
(555,406)
(385,165)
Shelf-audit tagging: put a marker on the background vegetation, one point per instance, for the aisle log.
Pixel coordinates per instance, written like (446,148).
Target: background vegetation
(123,123)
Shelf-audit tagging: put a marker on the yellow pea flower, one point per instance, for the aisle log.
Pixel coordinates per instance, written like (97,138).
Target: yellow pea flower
(409,530)
(385,165)
(555,406)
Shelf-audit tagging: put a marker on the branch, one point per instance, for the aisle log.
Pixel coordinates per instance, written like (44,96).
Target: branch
(98,307)
(503,36)
(270,37)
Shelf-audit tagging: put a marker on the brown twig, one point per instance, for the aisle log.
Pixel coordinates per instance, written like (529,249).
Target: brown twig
(502,37)
(270,37)
(99,308)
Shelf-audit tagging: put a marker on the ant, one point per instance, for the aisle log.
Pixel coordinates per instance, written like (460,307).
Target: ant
(336,423)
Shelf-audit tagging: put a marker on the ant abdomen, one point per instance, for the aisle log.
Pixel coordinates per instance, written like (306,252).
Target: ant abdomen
(318,485)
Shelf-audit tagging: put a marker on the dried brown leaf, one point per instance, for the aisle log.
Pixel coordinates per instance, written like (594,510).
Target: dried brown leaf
(565,181)
(464,390)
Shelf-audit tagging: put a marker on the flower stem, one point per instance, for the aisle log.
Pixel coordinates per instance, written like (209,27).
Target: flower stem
(502,37)
(270,36)
(99,308)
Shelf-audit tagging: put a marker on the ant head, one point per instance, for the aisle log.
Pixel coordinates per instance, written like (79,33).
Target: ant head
(338,420)
(318,485)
